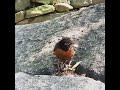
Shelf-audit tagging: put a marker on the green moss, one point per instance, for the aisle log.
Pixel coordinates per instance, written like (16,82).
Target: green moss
(40,10)
(59,1)
(42,1)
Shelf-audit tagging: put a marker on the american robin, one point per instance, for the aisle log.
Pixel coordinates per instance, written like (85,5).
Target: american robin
(64,50)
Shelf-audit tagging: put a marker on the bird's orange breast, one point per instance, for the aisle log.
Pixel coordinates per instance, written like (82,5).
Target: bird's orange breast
(64,55)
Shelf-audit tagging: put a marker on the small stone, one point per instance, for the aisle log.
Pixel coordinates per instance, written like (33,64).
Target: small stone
(21,4)
(62,7)
(98,1)
(19,16)
(80,3)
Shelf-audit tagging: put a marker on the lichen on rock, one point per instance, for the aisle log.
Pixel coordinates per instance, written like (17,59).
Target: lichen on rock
(40,10)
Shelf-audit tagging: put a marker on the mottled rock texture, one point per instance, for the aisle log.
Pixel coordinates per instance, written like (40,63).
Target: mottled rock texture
(43,82)
(34,43)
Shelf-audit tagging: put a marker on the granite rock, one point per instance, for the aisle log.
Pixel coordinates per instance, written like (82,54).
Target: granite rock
(24,81)
(34,43)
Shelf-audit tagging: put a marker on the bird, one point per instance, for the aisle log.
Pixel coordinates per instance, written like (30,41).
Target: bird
(64,50)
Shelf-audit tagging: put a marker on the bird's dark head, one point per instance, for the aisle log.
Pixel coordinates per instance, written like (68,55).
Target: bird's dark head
(65,43)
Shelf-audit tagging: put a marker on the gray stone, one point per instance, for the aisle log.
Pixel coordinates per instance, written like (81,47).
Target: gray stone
(39,10)
(80,3)
(34,43)
(98,1)
(62,7)
(19,16)
(21,4)
(24,81)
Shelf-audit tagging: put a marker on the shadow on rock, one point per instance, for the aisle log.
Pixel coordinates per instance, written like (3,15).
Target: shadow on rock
(91,52)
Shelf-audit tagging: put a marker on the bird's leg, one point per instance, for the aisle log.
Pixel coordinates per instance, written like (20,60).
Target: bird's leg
(58,64)
(69,65)
(62,66)
(65,63)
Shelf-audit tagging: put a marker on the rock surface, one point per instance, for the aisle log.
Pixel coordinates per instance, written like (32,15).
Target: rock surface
(19,16)
(43,82)
(34,42)
(21,4)
(62,7)
(40,18)
(98,1)
(42,1)
(80,3)
(39,10)
(60,1)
